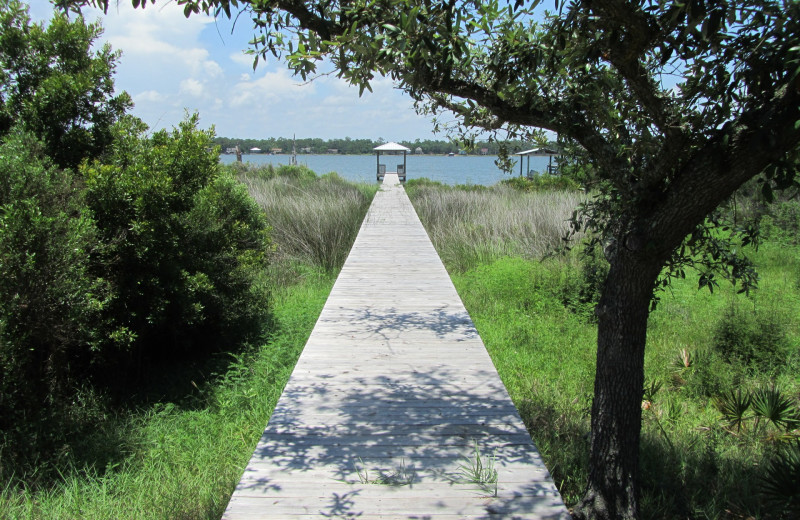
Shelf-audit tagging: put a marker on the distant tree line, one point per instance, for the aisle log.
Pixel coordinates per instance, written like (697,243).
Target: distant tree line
(348,146)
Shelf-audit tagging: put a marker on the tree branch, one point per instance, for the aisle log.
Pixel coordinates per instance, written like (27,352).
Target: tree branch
(726,162)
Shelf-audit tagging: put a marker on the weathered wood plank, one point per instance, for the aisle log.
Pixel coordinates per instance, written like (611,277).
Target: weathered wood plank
(394,385)
(354,506)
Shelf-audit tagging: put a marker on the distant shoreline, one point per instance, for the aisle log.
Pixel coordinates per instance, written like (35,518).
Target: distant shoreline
(466,169)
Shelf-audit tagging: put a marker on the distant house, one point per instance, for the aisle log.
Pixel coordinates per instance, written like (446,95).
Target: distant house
(230,150)
(255,150)
(276,150)
(484,151)
(305,150)
(418,150)
(333,150)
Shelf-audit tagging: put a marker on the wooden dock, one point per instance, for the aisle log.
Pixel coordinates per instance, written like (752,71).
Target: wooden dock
(390,397)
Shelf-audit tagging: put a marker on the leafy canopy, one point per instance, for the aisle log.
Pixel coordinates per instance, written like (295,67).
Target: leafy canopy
(55,86)
(645,93)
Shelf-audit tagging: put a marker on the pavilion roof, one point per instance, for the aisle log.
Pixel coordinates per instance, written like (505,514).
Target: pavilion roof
(546,152)
(391,147)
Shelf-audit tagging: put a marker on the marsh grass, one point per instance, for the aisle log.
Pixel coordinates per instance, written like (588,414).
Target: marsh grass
(475,226)
(314,220)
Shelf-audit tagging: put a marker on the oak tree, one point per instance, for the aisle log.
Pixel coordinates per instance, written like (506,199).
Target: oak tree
(672,104)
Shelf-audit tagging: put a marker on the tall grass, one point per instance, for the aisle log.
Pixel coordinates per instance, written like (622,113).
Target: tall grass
(314,220)
(473,226)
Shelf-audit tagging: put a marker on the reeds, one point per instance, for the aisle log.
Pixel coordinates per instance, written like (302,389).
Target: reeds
(314,220)
(470,227)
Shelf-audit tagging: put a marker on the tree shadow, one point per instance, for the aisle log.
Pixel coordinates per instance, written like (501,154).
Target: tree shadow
(387,403)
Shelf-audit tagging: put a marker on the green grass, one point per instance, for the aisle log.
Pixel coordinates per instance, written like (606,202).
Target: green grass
(545,352)
(537,325)
(184,462)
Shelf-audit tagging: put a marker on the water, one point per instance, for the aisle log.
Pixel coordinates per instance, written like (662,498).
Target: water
(469,169)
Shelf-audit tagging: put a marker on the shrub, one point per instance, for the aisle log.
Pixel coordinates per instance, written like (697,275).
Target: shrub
(581,287)
(709,375)
(48,299)
(542,183)
(780,485)
(756,340)
(268,171)
(783,222)
(412,184)
(56,82)
(182,248)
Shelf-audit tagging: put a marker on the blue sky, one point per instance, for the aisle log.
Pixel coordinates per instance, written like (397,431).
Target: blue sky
(171,64)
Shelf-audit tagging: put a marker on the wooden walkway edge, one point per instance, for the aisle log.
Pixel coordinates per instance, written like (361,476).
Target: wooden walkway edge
(390,397)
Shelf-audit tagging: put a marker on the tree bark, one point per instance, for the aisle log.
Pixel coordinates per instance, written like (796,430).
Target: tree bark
(616,410)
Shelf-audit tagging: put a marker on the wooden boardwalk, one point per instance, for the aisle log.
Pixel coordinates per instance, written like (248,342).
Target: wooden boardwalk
(389,398)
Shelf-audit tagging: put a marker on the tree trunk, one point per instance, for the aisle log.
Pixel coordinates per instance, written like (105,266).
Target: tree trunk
(612,491)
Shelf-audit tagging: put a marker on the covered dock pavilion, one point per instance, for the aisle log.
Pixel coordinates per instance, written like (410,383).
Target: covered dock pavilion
(538,152)
(391,149)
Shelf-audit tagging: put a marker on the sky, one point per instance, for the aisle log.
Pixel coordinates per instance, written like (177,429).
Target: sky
(171,64)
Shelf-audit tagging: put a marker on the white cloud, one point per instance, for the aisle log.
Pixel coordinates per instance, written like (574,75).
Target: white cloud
(245,60)
(192,87)
(278,85)
(149,96)
(173,63)
(165,21)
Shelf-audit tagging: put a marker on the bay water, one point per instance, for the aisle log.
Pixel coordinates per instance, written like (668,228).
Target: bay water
(458,169)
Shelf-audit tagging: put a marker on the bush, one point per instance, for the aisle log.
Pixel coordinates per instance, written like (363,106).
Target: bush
(783,222)
(581,287)
(412,184)
(48,300)
(709,375)
(542,183)
(56,82)
(780,485)
(266,172)
(756,340)
(182,248)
